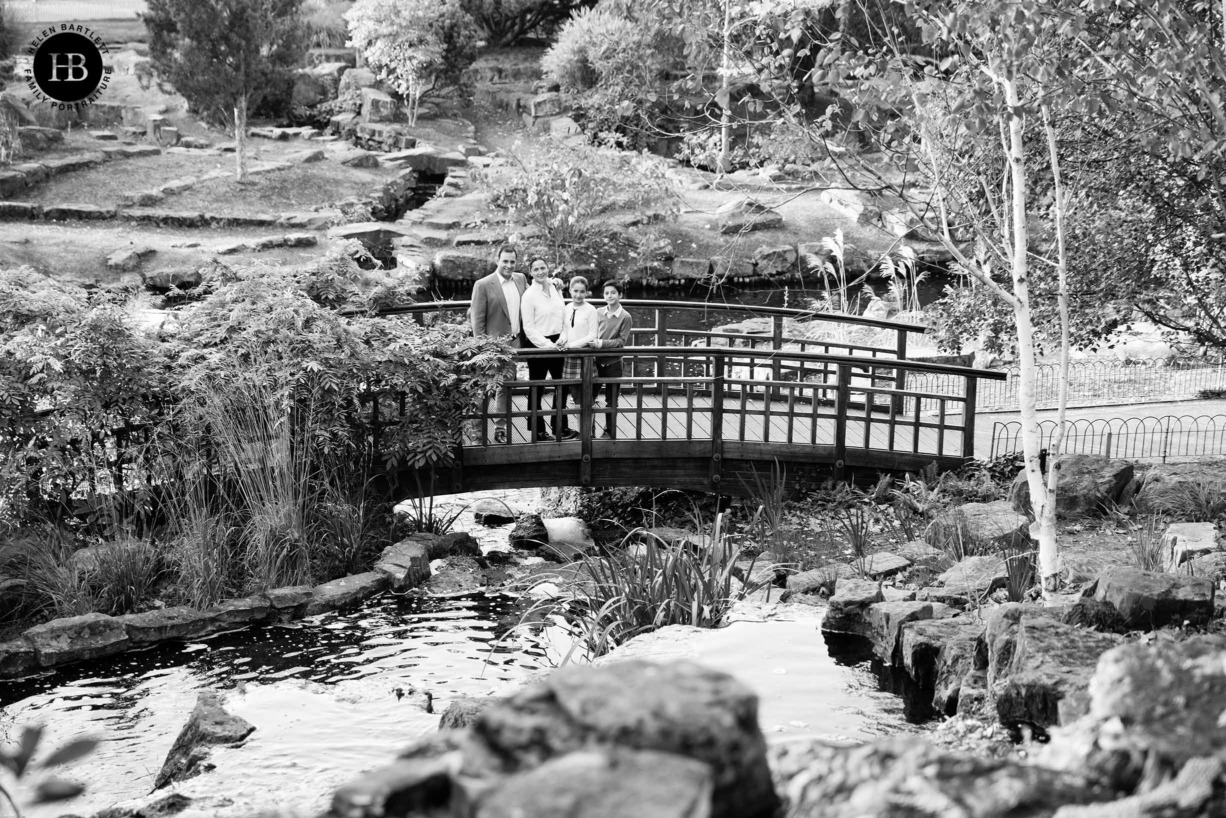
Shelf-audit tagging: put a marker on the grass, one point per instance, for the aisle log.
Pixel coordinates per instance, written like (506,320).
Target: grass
(1146,546)
(626,592)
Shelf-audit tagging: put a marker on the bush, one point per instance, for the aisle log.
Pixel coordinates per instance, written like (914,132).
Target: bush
(567,191)
(600,47)
(325,22)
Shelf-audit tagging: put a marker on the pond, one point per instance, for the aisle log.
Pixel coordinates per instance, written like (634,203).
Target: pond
(322,692)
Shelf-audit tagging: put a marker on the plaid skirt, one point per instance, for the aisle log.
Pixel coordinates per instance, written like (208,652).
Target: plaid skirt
(572,368)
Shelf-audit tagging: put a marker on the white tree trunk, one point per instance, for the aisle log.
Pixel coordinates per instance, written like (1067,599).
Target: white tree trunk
(725,121)
(1042,490)
(240,139)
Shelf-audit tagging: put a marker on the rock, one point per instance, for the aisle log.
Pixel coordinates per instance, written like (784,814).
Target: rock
(356,79)
(464,711)
(241,611)
(529,532)
(1152,709)
(691,269)
(209,726)
(851,204)
(1185,541)
(550,104)
(1211,566)
(427,159)
(610,783)
(405,787)
(494,512)
(144,198)
(14,211)
(671,537)
(172,279)
(564,552)
(680,708)
(1168,487)
(455,544)
(745,214)
(164,807)
(178,622)
(345,591)
(305,157)
(458,575)
(967,581)
(16,109)
(1148,600)
(848,611)
(129,258)
(372,235)
(940,654)
(17,657)
(568,530)
(883,564)
(12,183)
(907,777)
(194,143)
(378,106)
(922,554)
(1088,484)
(104,136)
(38,139)
(775,261)
(886,620)
(309,89)
(77,212)
(74,638)
(406,563)
(1049,672)
(290,601)
(358,158)
(1095,615)
(975,528)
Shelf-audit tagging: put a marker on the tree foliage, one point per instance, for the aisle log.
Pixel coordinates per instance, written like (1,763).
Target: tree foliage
(505,22)
(417,46)
(218,53)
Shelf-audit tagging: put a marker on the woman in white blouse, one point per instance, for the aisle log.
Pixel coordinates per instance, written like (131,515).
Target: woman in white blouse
(541,313)
(580,327)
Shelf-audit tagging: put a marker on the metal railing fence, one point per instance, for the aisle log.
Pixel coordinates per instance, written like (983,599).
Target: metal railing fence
(1170,437)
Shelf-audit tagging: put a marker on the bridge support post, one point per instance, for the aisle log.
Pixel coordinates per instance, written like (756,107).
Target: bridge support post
(968,418)
(776,364)
(717,420)
(900,375)
(586,419)
(842,403)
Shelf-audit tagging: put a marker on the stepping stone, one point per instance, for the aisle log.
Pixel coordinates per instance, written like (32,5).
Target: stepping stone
(81,212)
(303,157)
(104,136)
(15,211)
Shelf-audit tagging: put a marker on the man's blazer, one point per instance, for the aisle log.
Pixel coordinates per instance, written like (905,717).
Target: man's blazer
(489,312)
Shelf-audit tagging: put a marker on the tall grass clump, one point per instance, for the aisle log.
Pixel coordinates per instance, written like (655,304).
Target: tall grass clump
(639,587)
(766,524)
(1146,546)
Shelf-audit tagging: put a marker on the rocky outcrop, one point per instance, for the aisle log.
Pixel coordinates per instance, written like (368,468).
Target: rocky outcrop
(529,532)
(208,726)
(968,581)
(167,623)
(848,611)
(77,637)
(743,215)
(1148,600)
(886,621)
(1088,484)
(939,654)
(908,777)
(406,563)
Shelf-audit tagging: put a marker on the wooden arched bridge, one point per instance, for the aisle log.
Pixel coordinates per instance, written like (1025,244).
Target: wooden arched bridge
(819,393)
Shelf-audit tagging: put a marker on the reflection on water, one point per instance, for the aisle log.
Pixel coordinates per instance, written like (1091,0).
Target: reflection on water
(320,693)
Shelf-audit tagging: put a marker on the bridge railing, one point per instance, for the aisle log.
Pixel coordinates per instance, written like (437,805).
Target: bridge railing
(714,402)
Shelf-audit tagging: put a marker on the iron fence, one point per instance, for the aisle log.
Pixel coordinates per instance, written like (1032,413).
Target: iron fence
(1170,437)
(1099,383)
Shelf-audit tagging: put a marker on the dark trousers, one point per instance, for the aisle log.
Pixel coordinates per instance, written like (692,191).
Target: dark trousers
(610,369)
(538,368)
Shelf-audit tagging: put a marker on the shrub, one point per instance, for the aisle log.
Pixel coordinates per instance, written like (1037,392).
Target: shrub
(599,47)
(417,46)
(566,191)
(325,24)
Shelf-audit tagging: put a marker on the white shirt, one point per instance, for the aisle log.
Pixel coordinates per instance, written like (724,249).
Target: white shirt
(542,313)
(511,293)
(580,325)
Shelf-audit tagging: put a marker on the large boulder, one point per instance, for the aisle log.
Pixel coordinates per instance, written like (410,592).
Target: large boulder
(406,563)
(77,637)
(529,532)
(745,214)
(968,581)
(1153,708)
(605,783)
(457,265)
(908,777)
(938,654)
(886,620)
(1187,541)
(849,607)
(346,591)
(975,528)
(1172,488)
(775,261)
(208,726)
(1148,600)
(1089,483)
(680,708)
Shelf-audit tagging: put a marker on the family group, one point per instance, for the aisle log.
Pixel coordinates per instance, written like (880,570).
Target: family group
(535,316)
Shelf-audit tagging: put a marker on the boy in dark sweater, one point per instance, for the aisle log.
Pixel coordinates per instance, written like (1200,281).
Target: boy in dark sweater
(613,333)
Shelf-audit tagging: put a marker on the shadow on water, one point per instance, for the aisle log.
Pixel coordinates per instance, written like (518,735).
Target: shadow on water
(857,651)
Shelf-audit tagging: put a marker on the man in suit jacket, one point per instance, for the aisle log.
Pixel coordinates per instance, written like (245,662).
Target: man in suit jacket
(495,312)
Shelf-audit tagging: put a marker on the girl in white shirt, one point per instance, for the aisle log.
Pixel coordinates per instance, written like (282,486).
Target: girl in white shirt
(580,328)
(541,311)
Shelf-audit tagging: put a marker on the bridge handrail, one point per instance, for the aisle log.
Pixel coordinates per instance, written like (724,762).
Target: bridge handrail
(854,361)
(786,312)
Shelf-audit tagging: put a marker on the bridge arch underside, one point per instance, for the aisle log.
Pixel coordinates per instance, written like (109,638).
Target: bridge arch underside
(676,464)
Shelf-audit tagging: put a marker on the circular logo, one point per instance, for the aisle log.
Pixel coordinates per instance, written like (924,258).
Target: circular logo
(67,67)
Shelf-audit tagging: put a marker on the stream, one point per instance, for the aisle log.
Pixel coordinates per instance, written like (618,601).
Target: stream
(322,691)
